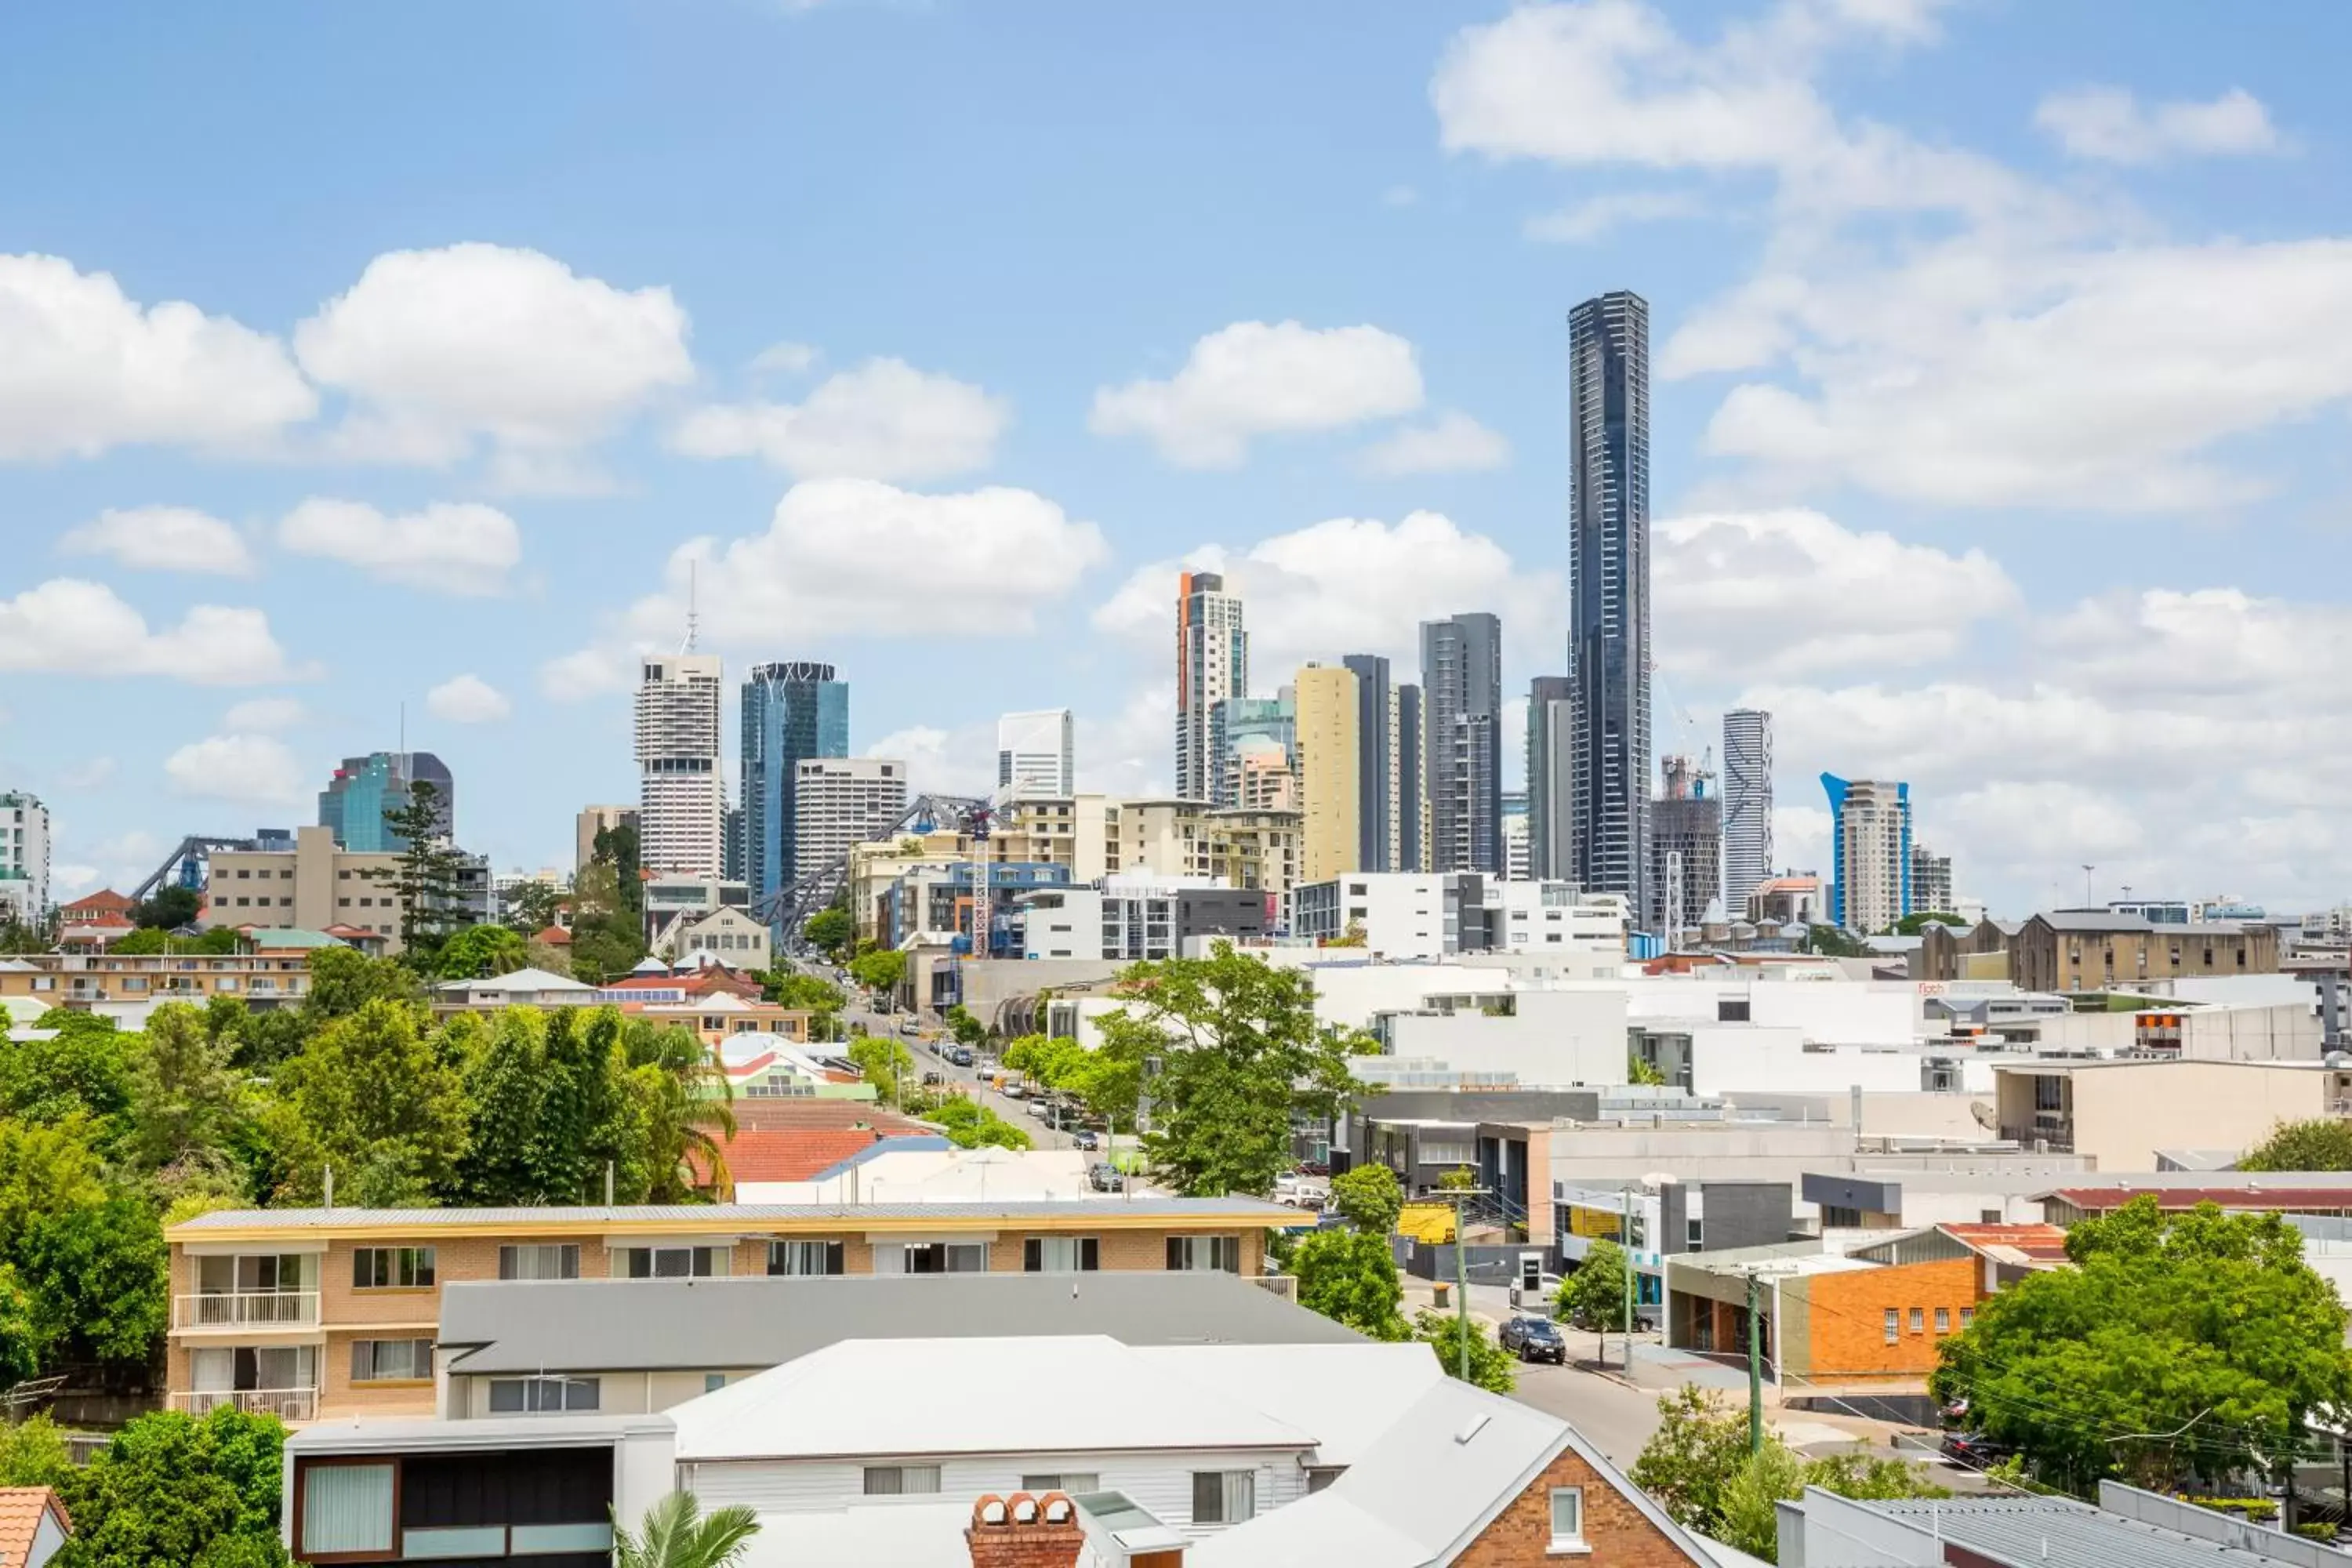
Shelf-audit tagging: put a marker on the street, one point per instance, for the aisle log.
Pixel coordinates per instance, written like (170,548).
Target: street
(966,1080)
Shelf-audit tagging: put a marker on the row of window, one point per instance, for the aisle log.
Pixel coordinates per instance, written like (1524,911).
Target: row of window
(1919,1321)
(412,1268)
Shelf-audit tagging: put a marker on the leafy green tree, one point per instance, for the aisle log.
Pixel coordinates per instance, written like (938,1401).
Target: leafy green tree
(171,906)
(884,1062)
(258,1041)
(376,1100)
(531,908)
(84,1071)
(505,1072)
(607,931)
(1595,1296)
(1461,1179)
(1491,1366)
(344,980)
(1700,1443)
(881,971)
(1350,1277)
(185,1099)
(1751,1497)
(1829,941)
(830,932)
(972,1125)
(478,950)
(967,1028)
(97,1273)
(1919,921)
(33,1453)
(682,1101)
(617,847)
(149,940)
(424,876)
(22,1343)
(172,1488)
(44,1171)
(822,998)
(676,1533)
(2322,1146)
(2167,1323)
(1370,1197)
(1239,1055)
(15,937)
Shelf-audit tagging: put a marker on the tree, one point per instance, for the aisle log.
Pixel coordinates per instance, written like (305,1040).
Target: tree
(1699,1444)
(15,936)
(684,1111)
(675,1533)
(967,1029)
(22,1341)
(1829,941)
(1919,921)
(170,1489)
(99,1283)
(1491,1367)
(1460,1179)
(1239,1055)
(170,908)
(1595,1296)
(2201,1320)
(186,1101)
(376,1100)
(504,1066)
(884,1061)
(424,878)
(530,907)
(344,980)
(972,1125)
(2322,1146)
(155,939)
(880,971)
(478,950)
(33,1453)
(1370,1197)
(830,932)
(1638,1071)
(84,1070)
(607,934)
(1350,1277)
(1751,1495)
(822,998)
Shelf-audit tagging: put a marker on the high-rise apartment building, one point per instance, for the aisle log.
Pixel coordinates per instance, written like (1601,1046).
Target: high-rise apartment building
(1746,805)
(1254,739)
(24,858)
(1376,763)
(1931,882)
(680,806)
(1036,754)
(354,804)
(1211,664)
(791,711)
(1462,683)
(1413,780)
(841,801)
(1686,848)
(1551,773)
(592,820)
(1871,843)
(1609,589)
(1517,859)
(1331,791)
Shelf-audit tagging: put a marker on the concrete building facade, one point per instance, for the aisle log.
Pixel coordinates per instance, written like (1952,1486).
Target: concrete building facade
(1211,664)
(1036,754)
(680,803)
(24,858)
(841,801)
(1551,777)
(1330,780)
(1462,686)
(1746,805)
(1870,837)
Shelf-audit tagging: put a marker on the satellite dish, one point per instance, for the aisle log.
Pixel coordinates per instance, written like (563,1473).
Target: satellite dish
(1987,1117)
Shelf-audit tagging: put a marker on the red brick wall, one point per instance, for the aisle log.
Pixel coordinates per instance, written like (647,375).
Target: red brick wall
(1619,1533)
(1846,1315)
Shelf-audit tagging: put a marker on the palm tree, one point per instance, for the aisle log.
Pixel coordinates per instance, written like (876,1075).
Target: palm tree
(673,1534)
(688,1105)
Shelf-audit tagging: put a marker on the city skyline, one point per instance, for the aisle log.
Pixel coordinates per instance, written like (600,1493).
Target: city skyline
(1346,396)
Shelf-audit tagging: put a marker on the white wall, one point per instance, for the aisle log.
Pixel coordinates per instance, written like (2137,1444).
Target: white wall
(1733,1058)
(1557,1038)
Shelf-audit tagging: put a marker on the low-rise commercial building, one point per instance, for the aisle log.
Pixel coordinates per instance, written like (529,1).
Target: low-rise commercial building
(1419,914)
(306,883)
(2098,950)
(2123,1114)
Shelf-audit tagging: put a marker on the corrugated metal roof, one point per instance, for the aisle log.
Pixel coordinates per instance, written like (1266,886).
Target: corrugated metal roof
(2032,1532)
(1108,1210)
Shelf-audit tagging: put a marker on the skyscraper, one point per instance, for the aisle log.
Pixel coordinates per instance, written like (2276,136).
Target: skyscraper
(1247,734)
(1376,771)
(1931,882)
(1330,794)
(791,711)
(1871,838)
(1036,753)
(354,801)
(841,801)
(680,808)
(1609,578)
(1461,683)
(1685,849)
(1551,772)
(1746,805)
(1212,664)
(1412,781)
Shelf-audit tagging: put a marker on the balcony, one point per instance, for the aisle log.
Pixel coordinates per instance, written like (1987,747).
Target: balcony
(285,1403)
(1283,1285)
(246,1309)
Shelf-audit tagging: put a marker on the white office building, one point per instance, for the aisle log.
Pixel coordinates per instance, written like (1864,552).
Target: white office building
(1036,754)
(24,858)
(841,801)
(681,805)
(1437,914)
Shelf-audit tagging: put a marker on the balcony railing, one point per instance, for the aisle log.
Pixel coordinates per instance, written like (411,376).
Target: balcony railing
(1283,1285)
(285,1403)
(247,1309)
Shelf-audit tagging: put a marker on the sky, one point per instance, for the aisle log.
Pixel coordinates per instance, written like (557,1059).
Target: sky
(364,366)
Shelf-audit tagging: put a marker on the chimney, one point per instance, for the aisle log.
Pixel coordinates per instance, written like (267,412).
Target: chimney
(1025,1531)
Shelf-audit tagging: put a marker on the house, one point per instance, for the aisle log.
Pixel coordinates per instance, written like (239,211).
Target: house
(105,907)
(33,1526)
(726,934)
(326,1312)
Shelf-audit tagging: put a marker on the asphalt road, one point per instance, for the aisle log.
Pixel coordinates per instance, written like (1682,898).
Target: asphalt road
(966,1080)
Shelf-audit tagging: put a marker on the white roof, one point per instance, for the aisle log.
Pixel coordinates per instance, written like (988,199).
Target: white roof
(885,1396)
(905,1534)
(1345,1395)
(519,980)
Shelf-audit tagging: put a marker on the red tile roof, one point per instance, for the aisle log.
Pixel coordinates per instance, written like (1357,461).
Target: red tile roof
(21,1509)
(106,900)
(2035,1241)
(554,936)
(2259,1199)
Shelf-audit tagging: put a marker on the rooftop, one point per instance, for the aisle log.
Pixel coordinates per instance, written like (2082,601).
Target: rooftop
(2032,1532)
(21,1512)
(718,1218)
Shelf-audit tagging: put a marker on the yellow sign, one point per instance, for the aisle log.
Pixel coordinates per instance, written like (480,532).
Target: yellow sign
(1595,1224)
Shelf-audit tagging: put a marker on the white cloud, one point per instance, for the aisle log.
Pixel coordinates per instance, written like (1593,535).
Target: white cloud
(93,773)
(2110,125)
(462,548)
(1131,751)
(439,350)
(119,862)
(88,369)
(1348,585)
(255,769)
(587,672)
(885,420)
(1598,216)
(264,715)
(787,359)
(161,539)
(466,699)
(1257,379)
(961,760)
(1765,594)
(1453,443)
(69,626)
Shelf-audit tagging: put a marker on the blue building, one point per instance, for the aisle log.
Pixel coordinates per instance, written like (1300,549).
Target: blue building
(791,712)
(365,788)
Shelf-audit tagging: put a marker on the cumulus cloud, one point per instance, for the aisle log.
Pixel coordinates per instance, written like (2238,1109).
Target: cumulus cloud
(256,770)
(161,539)
(961,760)
(1451,443)
(464,548)
(264,715)
(1254,379)
(1762,594)
(88,369)
(1598,217)
(69,626)
(439,351)
(885,420)
(586,672)
(2110,125)
(466,699)
(1127,751)
(787,359)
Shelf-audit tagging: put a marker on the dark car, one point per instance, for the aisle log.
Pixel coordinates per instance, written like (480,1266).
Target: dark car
(1104,1177)
(932,1078)
(1973,1451)
(960,1056)
(1535,1338)
(1084,1138)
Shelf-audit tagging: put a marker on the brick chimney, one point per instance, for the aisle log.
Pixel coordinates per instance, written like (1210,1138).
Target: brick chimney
(1025,1531)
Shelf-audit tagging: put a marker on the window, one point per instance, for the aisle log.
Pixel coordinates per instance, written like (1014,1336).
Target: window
(392,1361)
(1893,1326)
(392,1269)
(1061,1255)
(537,1261)
(1728,1010)
(1224,1497)
(1204,1252)
(1695,1233)
(806,1258)
(669,1262)
(901,1481)
(346,1510)
(1943,1320)
(1919,1321)
(1566,1517)
(932,1258)
(1077,1483)
(1968,1316)
(543,1395)
(712,1381)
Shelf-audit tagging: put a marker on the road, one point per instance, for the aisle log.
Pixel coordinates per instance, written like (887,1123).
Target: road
(1016,1112)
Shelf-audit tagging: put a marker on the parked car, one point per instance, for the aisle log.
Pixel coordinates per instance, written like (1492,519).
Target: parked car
(932,1078)
(910,1028)
(1084,1138)
(1104,1177)
(1535,1338)
(1973,1451)
(960,1056)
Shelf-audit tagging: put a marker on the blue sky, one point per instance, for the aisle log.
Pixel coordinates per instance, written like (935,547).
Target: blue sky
(359,356)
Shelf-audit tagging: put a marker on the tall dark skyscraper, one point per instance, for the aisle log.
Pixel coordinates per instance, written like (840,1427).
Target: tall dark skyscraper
(1608,610)
(1412,781)
(1552,763)
(1376,776)
(1747,805)
(365,788)
(1462,686)
(791,712)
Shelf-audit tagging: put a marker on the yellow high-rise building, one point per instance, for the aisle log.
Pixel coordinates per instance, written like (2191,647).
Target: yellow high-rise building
(1330,794)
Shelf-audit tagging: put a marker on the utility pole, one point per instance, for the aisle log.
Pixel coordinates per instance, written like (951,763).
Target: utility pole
(1462,1276)
(1625,1248)
(1755,1364)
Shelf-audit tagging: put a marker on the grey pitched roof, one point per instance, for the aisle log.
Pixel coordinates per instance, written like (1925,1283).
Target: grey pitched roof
(655,1325)
(748,1216)
(2031,1532)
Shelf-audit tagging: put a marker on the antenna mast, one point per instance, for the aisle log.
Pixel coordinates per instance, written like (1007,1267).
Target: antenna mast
(692,623)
